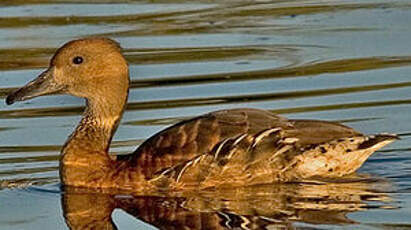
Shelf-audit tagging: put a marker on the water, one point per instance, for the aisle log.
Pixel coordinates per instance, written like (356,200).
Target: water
(344,61)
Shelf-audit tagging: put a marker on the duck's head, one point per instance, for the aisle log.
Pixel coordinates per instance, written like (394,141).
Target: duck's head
(92,68)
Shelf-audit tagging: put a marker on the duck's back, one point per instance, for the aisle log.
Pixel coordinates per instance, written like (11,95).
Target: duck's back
(188,139)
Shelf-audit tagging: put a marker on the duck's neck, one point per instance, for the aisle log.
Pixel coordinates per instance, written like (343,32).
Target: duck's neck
(97,127)
(85,157)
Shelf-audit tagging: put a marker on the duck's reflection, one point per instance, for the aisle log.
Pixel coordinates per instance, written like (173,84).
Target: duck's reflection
(262,207)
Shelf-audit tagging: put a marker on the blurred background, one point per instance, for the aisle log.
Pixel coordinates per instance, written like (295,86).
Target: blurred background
(345,61)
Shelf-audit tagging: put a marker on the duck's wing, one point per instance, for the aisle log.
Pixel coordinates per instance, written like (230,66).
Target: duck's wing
(300,151)
(272,156)
(198,135)
(314,132)
(188,139)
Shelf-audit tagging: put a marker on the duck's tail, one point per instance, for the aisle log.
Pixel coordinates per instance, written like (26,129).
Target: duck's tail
(378,141)
(340,157)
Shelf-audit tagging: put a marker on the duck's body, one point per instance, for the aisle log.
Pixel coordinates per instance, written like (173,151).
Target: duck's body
(237,147)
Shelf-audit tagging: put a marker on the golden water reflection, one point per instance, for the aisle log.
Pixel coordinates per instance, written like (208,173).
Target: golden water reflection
(275,206)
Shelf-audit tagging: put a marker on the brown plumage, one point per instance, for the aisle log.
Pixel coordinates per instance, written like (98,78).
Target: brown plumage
(236,147)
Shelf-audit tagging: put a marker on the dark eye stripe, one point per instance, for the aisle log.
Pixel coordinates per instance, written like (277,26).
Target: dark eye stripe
(77,60)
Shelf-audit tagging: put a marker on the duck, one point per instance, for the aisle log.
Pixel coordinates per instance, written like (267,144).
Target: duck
(225,148)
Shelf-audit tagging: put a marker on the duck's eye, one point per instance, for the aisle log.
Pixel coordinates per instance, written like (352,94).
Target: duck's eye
(77,60)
